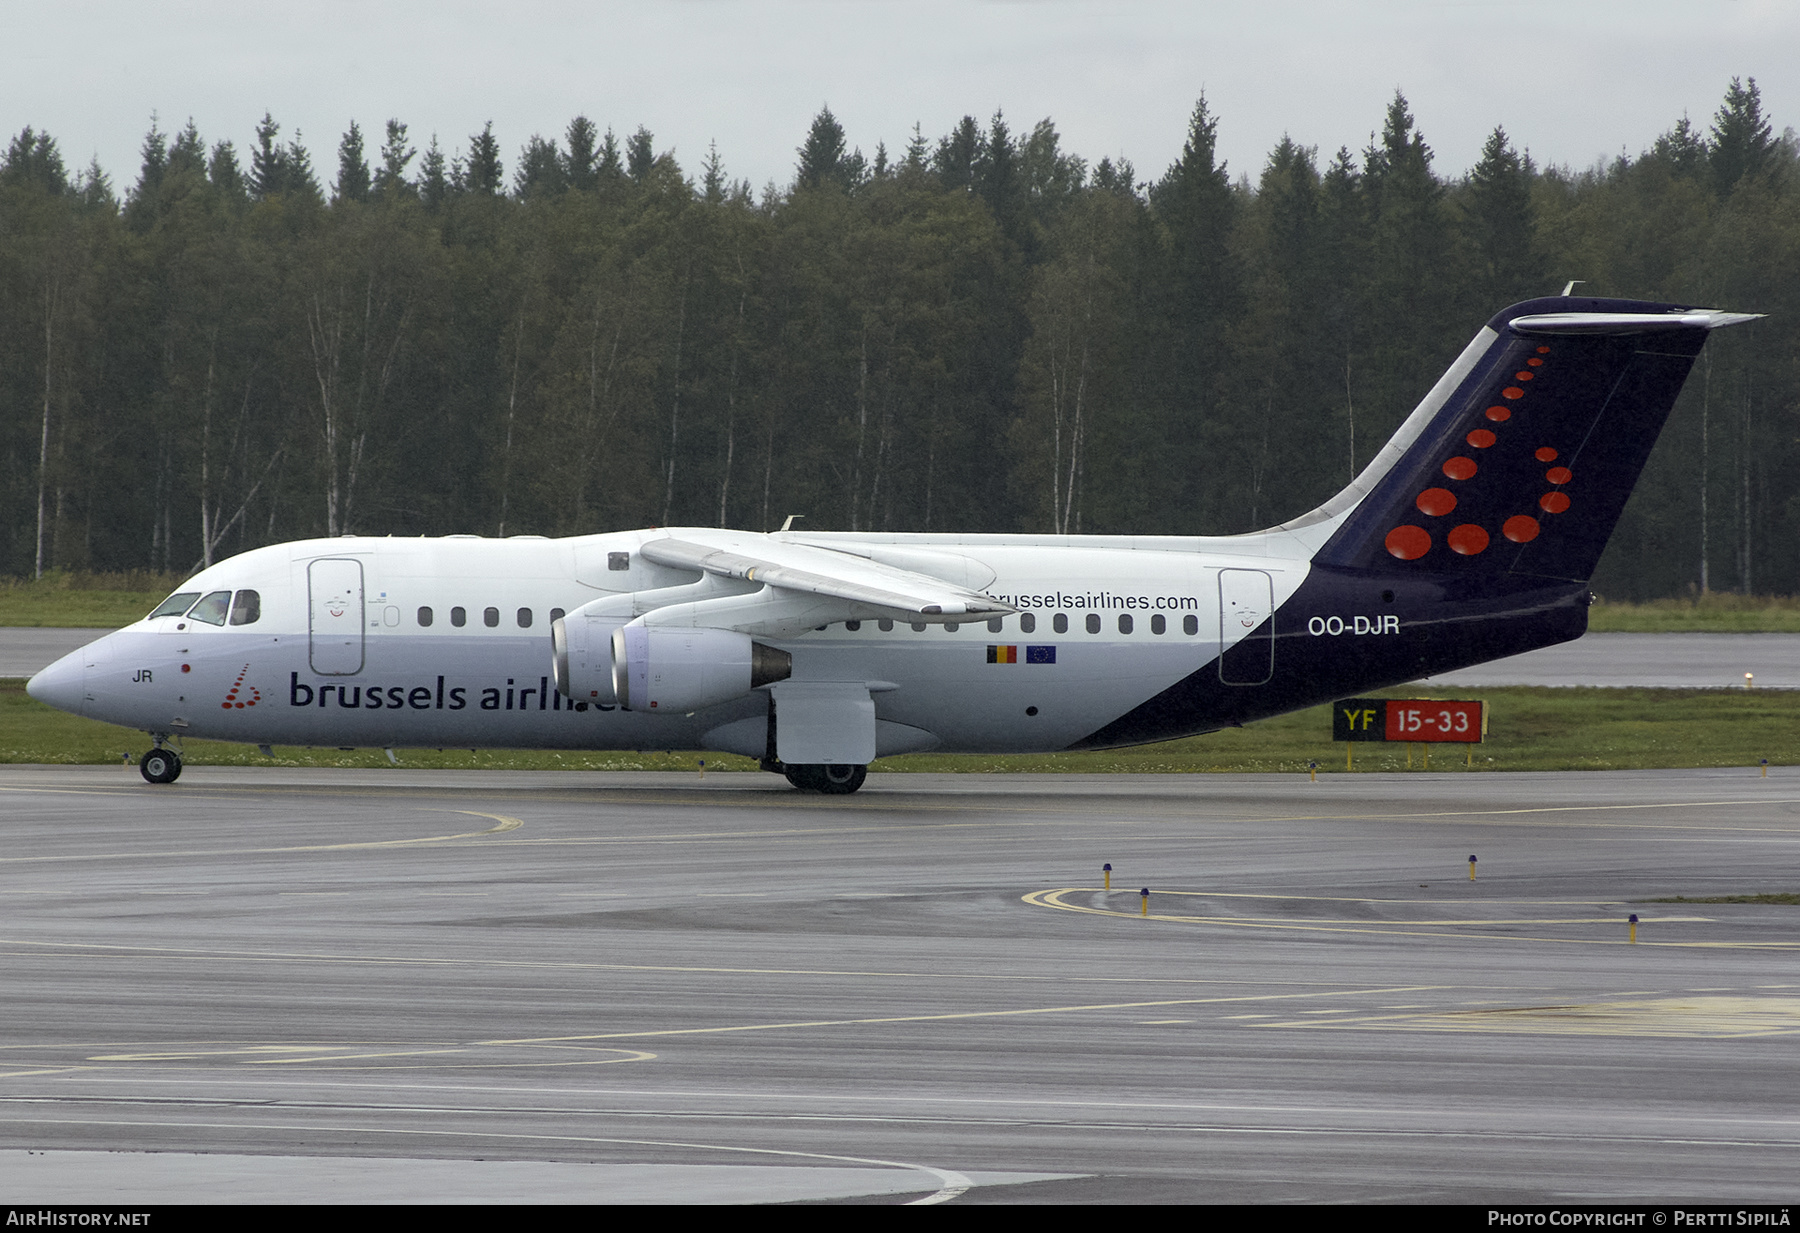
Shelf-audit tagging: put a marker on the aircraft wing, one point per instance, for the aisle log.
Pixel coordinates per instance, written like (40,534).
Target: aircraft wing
(834,575)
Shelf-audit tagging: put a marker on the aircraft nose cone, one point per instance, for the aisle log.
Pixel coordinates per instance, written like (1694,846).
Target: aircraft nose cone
(61,685)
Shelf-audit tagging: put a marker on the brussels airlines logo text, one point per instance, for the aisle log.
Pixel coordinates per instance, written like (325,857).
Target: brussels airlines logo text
(514,697)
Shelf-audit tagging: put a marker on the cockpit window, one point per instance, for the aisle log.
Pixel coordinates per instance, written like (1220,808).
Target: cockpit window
(212,609)
(175,605)
(246,609)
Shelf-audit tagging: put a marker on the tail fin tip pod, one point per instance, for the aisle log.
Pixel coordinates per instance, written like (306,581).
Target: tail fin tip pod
(1521,458)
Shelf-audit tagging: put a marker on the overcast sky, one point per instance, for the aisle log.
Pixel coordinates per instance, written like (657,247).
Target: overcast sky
(1573,80)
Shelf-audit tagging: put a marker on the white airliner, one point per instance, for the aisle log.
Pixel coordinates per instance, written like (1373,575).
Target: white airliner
(1470,536)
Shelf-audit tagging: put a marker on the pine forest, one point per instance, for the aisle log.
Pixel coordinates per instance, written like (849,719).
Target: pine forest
(981,331)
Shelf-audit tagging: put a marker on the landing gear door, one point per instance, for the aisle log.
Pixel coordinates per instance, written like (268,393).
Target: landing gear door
(1246,627)
(824,722)
(335,616)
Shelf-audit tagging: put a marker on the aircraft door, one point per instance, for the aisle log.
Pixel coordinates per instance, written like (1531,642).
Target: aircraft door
(1246,630)
(335,616)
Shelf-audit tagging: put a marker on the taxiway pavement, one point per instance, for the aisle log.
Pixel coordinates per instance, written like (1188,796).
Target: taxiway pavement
(271,984)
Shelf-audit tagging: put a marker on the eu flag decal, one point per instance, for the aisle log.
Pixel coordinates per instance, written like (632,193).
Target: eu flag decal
(1003,654)
(1040,654)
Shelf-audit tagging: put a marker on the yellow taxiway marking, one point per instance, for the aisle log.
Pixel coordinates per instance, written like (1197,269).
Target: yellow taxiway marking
(192,1054)
(1053,898)
(109,950)
(1297,897)
(950,1184)
(503,823)
(1704,1017)
(963,1014)
(627,1055)
(325,1056)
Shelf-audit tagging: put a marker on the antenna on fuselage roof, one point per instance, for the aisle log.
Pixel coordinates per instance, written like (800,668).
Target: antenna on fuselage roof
(791,520)
(1570,289)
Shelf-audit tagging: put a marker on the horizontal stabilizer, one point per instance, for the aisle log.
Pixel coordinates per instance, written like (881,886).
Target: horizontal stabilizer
(1627,323)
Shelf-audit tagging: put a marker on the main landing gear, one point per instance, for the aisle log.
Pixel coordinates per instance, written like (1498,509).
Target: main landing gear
(160,765)
(832,779)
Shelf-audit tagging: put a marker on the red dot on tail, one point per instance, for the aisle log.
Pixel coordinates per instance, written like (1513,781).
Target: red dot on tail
(1468,539)
(1546,455)
(1499,414)
(1409,543)
(1460,468)
(1554,502)
(1513,392)
(1521,529)
(1436,501)
(1559,475)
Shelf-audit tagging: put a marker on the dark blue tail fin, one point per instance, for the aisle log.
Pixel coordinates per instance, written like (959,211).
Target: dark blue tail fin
(1525,464)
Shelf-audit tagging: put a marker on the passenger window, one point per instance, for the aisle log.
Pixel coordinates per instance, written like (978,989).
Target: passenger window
(1060,622)
(524,618)
(1027,623)
(995,624)
(1190,625)
(1093,622)
(618,560)
(458,617)
(951,627)
(1124,622)
(852,626)
(490,617)
(1158,625)
(246,609)
(557,614)
(212,609)
(425,618)
(918,627)
(885,625)
(176,604)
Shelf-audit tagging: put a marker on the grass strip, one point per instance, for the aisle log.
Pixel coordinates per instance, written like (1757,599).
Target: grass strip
(1699,614)
(79,600)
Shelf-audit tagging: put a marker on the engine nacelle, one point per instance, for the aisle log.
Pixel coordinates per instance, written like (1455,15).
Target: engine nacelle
(581,658)
(675,668)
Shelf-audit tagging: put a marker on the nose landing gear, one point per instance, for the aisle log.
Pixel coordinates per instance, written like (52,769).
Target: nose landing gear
(160,765)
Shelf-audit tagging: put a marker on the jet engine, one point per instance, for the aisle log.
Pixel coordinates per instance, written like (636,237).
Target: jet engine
(582,659)
(674,668)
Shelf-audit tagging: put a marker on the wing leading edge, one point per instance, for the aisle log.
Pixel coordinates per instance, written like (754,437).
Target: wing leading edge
(852,580)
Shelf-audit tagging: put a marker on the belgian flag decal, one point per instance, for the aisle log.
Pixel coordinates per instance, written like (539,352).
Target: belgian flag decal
(1003,654)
